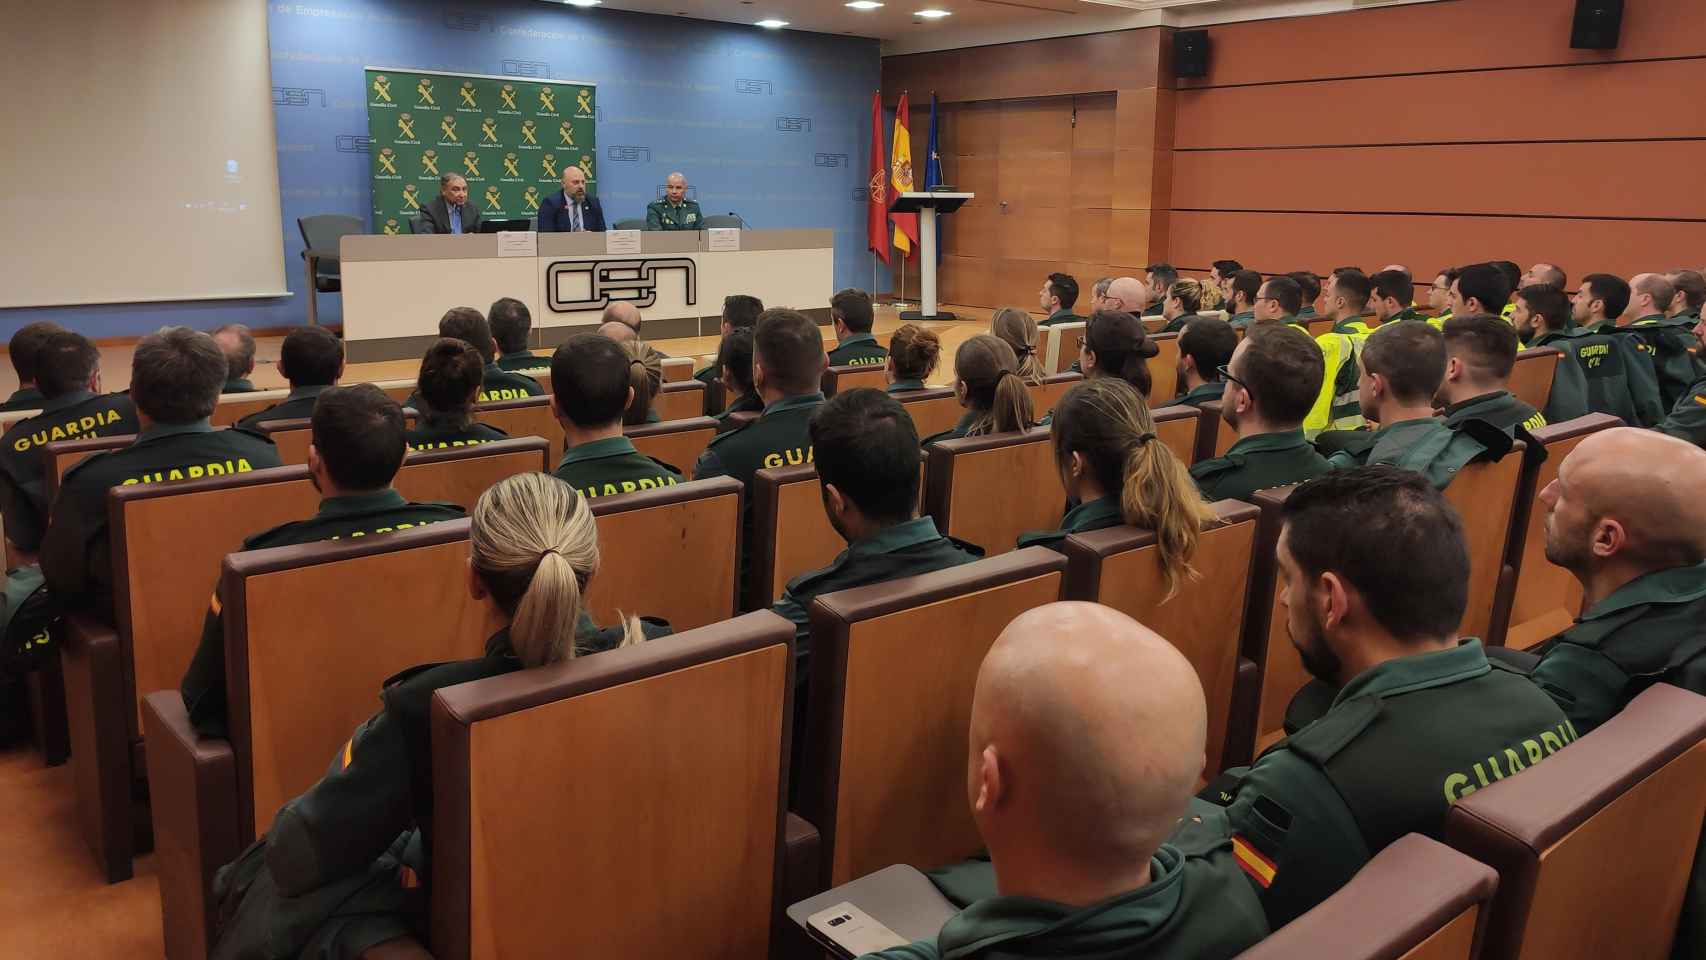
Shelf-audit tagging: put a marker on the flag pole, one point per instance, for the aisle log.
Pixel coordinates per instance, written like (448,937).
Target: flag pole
(901,304)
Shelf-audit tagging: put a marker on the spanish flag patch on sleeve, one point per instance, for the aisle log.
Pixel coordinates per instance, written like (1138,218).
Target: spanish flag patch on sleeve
(1252,862)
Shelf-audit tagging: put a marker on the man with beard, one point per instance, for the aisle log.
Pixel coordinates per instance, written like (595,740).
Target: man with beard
(1270,387)
(1374,578)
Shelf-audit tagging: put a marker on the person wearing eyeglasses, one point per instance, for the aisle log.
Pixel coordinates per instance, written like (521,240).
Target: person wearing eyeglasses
(1278,301)
(1271,384)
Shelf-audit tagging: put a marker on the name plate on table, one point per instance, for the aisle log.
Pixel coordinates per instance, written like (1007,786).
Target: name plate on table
(518,243)
(622,241)
(722,239)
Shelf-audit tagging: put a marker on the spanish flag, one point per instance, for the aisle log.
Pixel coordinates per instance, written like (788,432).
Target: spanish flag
(1252,862)
(900,179)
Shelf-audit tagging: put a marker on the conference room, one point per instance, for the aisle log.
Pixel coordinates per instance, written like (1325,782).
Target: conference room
(1073,478)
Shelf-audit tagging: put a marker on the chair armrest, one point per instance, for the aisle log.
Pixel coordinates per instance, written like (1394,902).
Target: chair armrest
(1241,719)
(98,722)
(802,868)
(193,782)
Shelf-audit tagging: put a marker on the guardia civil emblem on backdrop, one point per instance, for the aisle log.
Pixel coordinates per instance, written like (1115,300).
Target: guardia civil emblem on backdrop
(509,137)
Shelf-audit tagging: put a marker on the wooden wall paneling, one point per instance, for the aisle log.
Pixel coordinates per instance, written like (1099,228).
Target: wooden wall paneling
(1054,66)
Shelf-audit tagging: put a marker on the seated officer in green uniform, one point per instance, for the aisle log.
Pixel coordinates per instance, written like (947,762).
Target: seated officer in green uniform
(345,866)
(1541,318)
(988,385)
(1391,295)
(1688,294)
(645,372)
(1480,352)
(913,353)
(734,363)
(512,325)
(1079,786)
(1057,297)
(1374,579)
(68,374)
(1242,289)
(850,312)
(674,211)
(239,347)
(1277,301)
(1271,384)
(1310,284)
(1205,345)
(594,381)
(1667,341)
(1439,295)
(448,382)
(1626,517)
(466,324)
(1402,366)
(175,376)
(1620,374)
(1348,293)
(355,453)
(1159,277)
(739,312)
(1116,471)
(1179,305)
(22,349)
(1687,419)
(312,359)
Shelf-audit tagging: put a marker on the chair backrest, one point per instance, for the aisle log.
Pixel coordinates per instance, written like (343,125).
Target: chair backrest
(791,533)
(1214,435)
(1057,346)
(630,223)
(1320,327)
(1163,369)
(1594,846)
(675,368)
(1485,495)
(398,390)
(10,418)
(668,553)
(736,420)
(1531,377)
(676,442)
(1266,642)
(542,376)
(988,490)
(862,754)
(1046,394)
(233,407)
(932,410)
(680,400)
(305,654)
(1120,568)
(291,437)
(1177,428)
(577,772)
(61,455)
(721,220)
(528,417)
(460,475)
(1418,899)
(1545,598)
(853,376)
(322,231)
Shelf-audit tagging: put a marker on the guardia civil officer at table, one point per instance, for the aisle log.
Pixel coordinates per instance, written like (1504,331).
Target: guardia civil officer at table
(674,211)
(593,381)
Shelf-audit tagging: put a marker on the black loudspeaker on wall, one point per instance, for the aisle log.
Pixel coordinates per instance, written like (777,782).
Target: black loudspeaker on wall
(1190,53)
(1597,24)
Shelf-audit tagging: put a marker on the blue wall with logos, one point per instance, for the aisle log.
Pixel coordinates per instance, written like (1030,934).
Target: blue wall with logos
(774,125)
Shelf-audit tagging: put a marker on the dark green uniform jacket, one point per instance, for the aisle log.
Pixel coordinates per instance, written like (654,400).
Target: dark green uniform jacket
(610,466)
(1608,376)
(780,437)
(1650,630)
(237,385)
(859,350)
(1198,394)
(24,398)
(1498,408)
(524,362)
(500,384)
(76,552)
(430,434)
(1401,743)
(1098,514)
(1308,313)
(71,416)
(958,430)
(299,405)
(1667,342)
(1062,316)
(906,386)
(663,215)
(1241,320)
(356,515)
(1156,309)
(1177,323)
(1258,463)
(1194,906)
(1688,418)
(745,403)
(1428,447)
(708,375)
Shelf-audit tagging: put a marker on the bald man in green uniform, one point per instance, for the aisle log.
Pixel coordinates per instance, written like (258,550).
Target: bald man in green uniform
(592,387)
(1667,341)
(1271,384)
(1374,579)
(674,211)
(1075,786)
(357,448)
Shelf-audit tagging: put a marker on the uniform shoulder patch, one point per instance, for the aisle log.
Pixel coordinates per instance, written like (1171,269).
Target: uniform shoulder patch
(1322,740)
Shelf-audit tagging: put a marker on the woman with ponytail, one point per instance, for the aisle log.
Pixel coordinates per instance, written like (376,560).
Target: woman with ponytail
(645,375)
(1184,299)
(1021,332)
(1115,469)
(343,867)
(913,353)
(988,385)
(1114,345)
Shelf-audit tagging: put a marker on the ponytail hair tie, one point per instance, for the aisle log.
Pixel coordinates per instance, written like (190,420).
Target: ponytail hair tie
(1144,439)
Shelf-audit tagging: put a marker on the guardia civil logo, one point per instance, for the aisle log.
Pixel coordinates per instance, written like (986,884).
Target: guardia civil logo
(423,93)
(529,133)
(583,103)
(429,164)
(406,128)
(489,131)
(388,164)
(411,197)
(493,205)
(548,101)
(548,163)
(471,165)
(382,92)
(506,96)
(531,197)
(512,169)
(566,134)
(392,228)
(466,92)
(447,130)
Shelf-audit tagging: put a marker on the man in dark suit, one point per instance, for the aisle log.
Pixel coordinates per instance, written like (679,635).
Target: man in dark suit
(451,212)
(571,210)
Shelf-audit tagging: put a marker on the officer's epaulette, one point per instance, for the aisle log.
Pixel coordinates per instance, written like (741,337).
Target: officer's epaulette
(1217,466)
(719,438)
(79,465)
(1321,740)
(1202,831)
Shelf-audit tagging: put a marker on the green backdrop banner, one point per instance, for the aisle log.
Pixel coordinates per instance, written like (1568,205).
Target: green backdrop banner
(509,138)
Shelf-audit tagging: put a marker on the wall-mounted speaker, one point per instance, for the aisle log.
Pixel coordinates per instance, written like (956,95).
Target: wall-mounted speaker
(1190,53)
(1597,24)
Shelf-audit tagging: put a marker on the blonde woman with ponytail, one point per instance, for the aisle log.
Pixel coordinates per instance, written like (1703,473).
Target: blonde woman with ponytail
(645,375)
(1114,467)
(1021,332)
(1184,299)
(341,855)
(989,387)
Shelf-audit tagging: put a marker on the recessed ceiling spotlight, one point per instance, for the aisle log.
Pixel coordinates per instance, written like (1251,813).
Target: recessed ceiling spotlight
(772,24)
(863,4)
(583,3)
(933,14)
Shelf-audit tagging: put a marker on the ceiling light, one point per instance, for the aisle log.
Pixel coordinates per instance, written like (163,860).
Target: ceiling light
(772,24)
(583,3)
(932,14)
(864,4)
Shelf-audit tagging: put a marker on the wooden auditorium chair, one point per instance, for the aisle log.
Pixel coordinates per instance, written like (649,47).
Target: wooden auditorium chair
(292,437)
(1531,376)
(853,376)
(1057,346)
(589,808)
(791,533)
(676,442)
(669,553)
(306,656)
(1214,435)
(1046,394)
(61,455)
(527,417)
(1485,494)
(1163,369)
(674,368)
(932,409)
(893,667)
(1594,844)
(1118,567)
(233,407)
(1266,642)
(680,399)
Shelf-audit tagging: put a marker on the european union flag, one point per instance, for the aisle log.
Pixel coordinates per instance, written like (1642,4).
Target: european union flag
(933,171)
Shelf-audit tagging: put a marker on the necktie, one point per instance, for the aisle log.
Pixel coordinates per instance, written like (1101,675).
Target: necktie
(455,219)
(574,216)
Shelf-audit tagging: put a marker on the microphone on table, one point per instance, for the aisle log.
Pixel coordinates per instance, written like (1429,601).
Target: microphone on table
(743,224)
